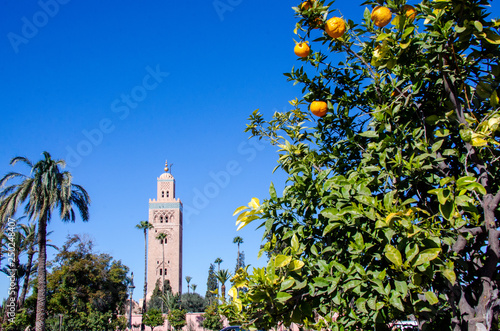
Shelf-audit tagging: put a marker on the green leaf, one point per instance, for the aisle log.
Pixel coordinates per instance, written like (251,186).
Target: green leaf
(401,287)
(287,284)
(295,243)
(450,275)
(283,296)
(369,134)
(295,265)
(330,227)
(320,282)
(411,251)
(393,255)
(272,192)
(395,301)
(361,305)
(431,297)
(282,261)
(447,210)
(478,26)
(427,255)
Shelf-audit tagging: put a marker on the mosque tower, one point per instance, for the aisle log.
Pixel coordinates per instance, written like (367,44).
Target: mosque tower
(165,255)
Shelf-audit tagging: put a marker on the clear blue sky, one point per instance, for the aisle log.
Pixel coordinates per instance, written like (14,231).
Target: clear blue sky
(117,87)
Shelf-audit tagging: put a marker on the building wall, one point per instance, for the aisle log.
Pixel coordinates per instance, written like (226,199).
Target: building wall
(165,214)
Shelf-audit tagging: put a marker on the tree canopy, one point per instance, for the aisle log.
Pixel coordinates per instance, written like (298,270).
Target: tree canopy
(391,205)
(90,289)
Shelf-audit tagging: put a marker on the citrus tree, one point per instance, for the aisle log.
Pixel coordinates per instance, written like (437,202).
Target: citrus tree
(392,153)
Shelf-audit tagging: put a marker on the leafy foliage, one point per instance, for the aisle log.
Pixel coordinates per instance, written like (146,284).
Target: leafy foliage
(153,318)
(192,302)
(392,198)
(89,289)
(177,318)
(212,320)
(211,284)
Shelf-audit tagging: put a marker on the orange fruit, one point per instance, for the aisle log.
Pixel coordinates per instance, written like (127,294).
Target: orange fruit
(335,27)
(302,49)
(381,16)
(318,108)
(305,5)
(410,12)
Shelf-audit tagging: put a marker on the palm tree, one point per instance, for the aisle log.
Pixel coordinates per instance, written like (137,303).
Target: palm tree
(145,225)
(223,276)
(43,190)
(161,236)
(194,286)
(238,240)
(188,279)
(218,261)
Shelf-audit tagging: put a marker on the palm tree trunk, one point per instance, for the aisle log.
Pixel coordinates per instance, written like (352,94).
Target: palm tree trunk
(145,276)
(24,291)
(41,303)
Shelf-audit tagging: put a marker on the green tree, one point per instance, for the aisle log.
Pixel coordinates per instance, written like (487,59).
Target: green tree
(177,318)
(391,203)
(238,240)
(211,284)
(212,320)
(158,296)
(218,261)
(193,287)
(145,226)
(192,302)
(188,280)
(43,190)
(153,318)
(89,289)
(240,261)
(223,276)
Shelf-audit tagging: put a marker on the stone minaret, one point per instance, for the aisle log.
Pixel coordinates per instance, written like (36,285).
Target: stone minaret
(165,257)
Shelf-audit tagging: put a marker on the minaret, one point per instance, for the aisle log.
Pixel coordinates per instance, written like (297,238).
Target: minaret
(165,256)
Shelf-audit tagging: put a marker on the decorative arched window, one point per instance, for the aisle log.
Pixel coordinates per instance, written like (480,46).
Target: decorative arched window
(166,219)
(161,219)
(165,241)
(165,272)
(168,193)
(160,271)
(163,194)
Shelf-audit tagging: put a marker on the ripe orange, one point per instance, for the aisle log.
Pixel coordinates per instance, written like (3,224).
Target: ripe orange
(305,5)
(381,16)
(410,12)
(302,49)
(335,27)
(318,108)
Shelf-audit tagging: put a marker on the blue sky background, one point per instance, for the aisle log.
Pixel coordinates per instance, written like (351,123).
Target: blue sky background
(116,87)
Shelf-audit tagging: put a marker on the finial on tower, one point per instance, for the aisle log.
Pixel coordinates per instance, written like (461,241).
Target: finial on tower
(166,166)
